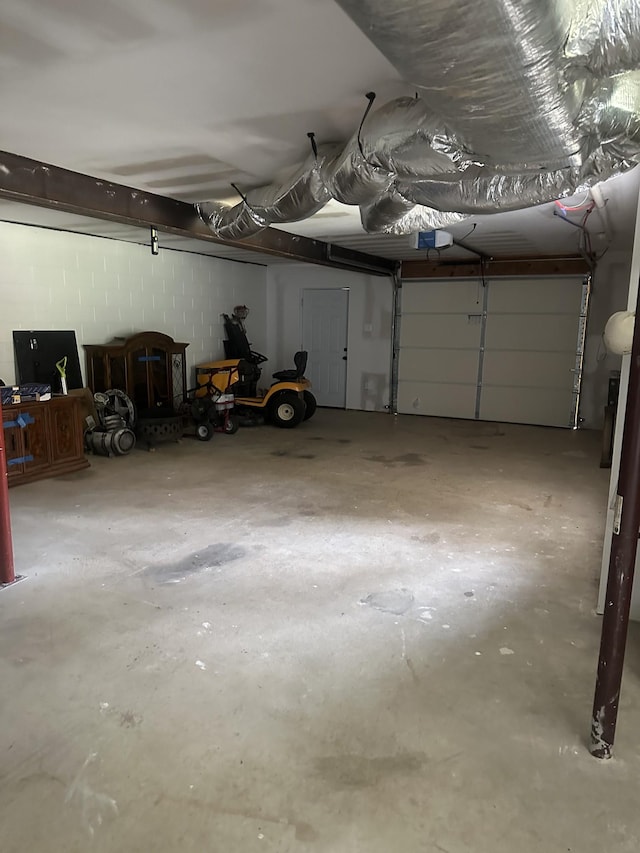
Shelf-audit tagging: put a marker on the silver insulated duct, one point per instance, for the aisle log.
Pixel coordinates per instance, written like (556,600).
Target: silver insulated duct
(519,102)
(489,68)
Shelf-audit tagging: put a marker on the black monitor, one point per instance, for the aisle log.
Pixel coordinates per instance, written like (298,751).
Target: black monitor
(37,354)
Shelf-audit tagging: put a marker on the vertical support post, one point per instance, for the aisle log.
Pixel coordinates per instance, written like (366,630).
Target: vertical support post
(396,280)
(632,298)
(7,573)
(624,546)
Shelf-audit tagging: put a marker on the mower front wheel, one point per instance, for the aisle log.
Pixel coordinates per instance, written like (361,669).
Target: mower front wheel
(287,410)
(204,431)
(310,402)
(231,425)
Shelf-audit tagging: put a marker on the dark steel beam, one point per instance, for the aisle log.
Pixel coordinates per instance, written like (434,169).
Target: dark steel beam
(361,261)
(495,267)
(624,546)
(41,184)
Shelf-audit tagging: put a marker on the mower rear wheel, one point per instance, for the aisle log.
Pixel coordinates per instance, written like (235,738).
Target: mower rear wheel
(287,410)
(232,425)
(310,402)
(204,431)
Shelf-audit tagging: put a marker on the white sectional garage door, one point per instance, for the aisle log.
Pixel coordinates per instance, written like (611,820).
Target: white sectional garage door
(510,350)
(440,335)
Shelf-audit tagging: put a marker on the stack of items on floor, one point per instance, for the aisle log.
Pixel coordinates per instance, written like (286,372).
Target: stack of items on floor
(113,435)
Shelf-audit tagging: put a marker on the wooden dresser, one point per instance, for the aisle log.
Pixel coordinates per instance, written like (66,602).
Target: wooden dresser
(43,439)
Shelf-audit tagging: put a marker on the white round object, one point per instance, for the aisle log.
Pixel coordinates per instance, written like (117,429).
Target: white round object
(618,333)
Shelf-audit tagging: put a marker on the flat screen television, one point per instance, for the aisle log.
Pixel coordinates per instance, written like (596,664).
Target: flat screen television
(37,354)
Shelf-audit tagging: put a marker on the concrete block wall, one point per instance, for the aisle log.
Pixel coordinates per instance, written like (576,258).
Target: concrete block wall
(105,288)
(369,329)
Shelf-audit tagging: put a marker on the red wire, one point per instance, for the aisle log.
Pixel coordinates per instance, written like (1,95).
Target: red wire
(589,206)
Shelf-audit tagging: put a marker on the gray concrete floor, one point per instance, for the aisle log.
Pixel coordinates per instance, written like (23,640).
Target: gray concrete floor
(367,634)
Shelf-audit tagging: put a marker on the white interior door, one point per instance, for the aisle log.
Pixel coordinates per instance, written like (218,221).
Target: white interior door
(325,314)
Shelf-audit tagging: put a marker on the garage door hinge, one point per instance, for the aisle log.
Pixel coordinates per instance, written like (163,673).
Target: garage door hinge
(617,514)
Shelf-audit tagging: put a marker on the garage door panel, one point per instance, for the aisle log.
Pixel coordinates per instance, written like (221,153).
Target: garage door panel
(529,369)
(518,360)
(436,297)
(544,406)
(437,399)
(439,331)
(555,296)
(533,332)
(438,365)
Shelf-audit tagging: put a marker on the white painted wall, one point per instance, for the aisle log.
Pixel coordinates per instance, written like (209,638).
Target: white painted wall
(609,294)
(104,288)
(370,308)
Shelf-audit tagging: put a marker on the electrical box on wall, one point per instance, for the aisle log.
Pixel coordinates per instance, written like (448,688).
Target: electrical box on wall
(432,240)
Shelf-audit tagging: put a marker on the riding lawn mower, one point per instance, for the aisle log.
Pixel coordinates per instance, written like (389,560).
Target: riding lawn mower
(286,403)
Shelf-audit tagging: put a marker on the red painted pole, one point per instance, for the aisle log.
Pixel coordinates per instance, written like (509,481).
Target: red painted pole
(624,546)
(7,572)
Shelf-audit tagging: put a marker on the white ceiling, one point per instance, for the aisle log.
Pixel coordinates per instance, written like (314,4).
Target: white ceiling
(183,98)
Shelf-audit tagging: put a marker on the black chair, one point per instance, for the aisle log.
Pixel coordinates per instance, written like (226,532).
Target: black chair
(297,373)
(237,345)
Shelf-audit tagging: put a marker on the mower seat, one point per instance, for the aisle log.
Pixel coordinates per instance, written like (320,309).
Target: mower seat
(297,373)
(249,374)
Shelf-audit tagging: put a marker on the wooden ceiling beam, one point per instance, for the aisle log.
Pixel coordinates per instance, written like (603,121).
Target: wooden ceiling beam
(496,267)
(43,185)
